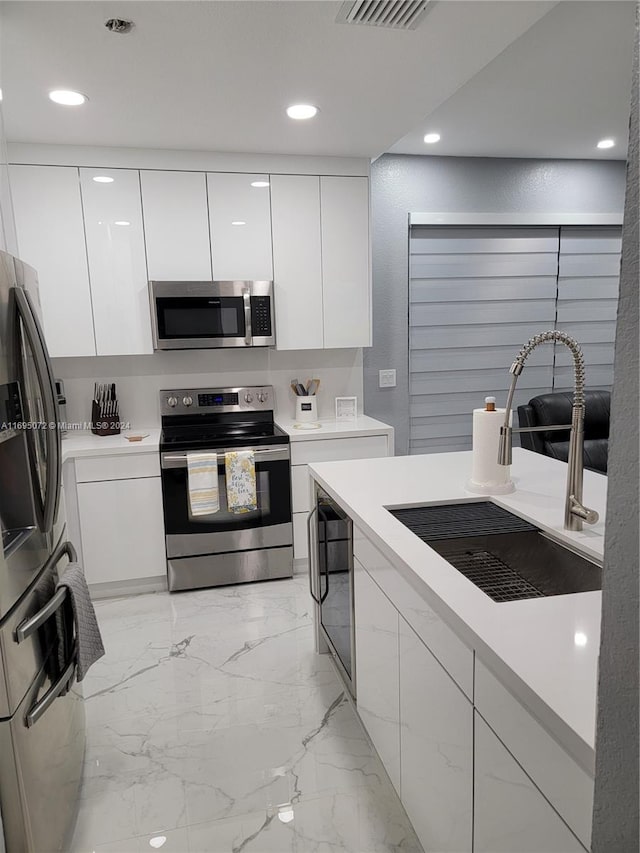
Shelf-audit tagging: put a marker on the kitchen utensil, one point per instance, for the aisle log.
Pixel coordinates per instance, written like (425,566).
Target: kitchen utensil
(133,437)
(301,390)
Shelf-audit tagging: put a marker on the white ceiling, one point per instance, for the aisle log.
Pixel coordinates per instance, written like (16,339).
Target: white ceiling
(217,76)
(557,90)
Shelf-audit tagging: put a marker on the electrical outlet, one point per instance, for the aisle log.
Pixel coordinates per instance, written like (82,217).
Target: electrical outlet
(387,378)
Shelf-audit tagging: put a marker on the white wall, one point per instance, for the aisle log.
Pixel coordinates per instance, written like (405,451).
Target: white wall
(140,378)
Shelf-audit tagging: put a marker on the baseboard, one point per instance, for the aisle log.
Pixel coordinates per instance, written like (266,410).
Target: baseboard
(300,566)
(136,586)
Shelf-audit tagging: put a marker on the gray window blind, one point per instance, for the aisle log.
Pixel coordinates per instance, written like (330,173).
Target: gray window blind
(589,272)
(477,294)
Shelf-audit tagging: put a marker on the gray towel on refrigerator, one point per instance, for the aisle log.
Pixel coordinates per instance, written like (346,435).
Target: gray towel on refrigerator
(88,638)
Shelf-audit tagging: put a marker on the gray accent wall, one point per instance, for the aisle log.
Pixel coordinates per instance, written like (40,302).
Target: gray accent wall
(615,817)
(403,184)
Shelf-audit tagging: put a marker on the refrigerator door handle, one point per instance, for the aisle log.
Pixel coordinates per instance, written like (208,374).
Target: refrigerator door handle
(43,705)
(30,626)
(36,342)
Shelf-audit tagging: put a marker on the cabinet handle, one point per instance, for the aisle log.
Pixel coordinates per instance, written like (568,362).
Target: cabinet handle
(311,566)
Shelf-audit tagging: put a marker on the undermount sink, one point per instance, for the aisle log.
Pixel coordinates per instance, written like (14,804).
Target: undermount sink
(503,555)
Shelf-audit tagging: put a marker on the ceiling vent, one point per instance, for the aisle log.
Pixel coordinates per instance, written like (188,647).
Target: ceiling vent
(393,14)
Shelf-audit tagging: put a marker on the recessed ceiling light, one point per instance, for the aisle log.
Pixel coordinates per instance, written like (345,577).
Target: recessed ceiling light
(103,179)
(580,638)
(238,222)
(121,222)
(259,183)
(157,841)
(430,138)
(301,111)
(606,143)
(67,98)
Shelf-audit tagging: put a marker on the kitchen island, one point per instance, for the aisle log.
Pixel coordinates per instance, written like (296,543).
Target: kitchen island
(482,712)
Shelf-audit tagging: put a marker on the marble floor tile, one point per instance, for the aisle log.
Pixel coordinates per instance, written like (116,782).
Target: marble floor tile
(213,724)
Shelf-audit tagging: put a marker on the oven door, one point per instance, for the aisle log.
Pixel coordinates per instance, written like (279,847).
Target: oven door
(268,526)
(211,314)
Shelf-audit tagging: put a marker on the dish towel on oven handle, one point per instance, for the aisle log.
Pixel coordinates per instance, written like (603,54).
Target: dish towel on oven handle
(202,476)
(240,468)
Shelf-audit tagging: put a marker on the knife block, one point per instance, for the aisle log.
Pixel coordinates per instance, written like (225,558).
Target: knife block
(103,424)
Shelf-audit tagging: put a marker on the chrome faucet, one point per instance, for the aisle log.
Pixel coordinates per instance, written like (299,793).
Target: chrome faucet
(574,510)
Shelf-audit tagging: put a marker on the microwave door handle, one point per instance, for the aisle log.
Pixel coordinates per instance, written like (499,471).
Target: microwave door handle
(248,332)
(35,338)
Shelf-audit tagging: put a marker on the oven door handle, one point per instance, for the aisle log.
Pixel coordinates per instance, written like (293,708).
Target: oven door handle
(271,454)
(248,331)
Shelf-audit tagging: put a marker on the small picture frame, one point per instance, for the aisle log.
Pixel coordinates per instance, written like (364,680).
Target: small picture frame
(346,409)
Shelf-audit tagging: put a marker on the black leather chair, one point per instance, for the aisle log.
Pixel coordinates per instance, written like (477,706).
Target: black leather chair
(556,409)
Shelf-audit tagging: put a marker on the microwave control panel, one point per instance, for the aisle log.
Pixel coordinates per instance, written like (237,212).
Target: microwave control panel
(261,316)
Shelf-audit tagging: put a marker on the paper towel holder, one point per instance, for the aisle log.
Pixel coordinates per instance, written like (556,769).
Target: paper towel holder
(489,486)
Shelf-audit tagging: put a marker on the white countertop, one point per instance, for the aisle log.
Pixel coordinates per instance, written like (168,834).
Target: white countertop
(330,428)
(530,644)
(86,444)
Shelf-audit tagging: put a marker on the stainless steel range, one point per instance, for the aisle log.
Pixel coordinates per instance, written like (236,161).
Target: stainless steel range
(225,546)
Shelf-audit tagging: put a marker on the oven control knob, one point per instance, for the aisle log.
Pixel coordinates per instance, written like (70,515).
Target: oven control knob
(263,397)
(248,398)
(172,401)
(187,401)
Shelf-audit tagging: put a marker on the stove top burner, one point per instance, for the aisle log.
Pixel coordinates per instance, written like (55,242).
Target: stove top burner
(207,419)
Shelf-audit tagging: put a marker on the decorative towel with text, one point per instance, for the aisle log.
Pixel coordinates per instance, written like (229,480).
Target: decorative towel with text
(241,481)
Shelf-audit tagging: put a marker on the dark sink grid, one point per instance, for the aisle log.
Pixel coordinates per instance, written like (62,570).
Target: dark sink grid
(508,558)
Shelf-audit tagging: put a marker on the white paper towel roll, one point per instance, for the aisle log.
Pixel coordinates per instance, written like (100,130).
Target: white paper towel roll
(487,476)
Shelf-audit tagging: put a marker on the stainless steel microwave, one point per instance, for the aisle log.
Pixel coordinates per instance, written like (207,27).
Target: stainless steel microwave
(211,314)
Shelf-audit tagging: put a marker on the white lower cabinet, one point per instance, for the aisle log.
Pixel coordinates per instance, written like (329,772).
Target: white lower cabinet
(510,813)
(436,739)
(377,670)
(122,529)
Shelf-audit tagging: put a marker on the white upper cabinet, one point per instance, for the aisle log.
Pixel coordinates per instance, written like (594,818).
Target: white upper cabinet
(240,222)
(297,261)
(176,225)
(117,262)
(346,278)
(48,213)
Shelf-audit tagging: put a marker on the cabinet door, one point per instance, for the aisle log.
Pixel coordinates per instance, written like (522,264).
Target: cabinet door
(346,277)
(176,225)
(297,261)
(122,529)
(436,737)
(240,218)
(510,813)
(117,262)
(377,671)
(48,213)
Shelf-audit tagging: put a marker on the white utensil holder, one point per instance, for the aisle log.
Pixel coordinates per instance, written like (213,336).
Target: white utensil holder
(306,410)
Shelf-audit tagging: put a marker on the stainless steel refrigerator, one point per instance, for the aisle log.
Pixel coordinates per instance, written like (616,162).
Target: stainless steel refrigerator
(42,727)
